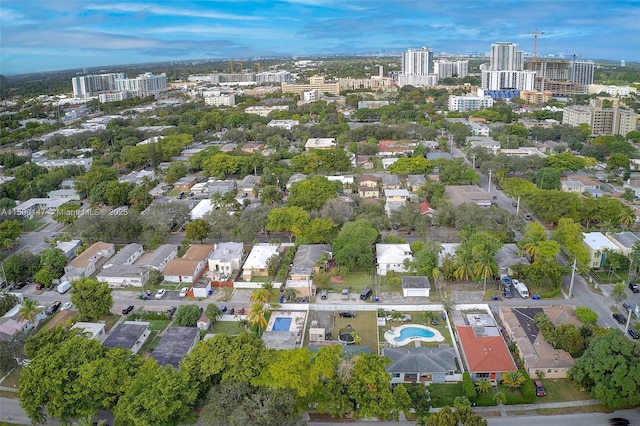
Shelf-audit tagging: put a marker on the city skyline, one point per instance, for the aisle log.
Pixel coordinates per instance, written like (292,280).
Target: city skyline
(38,35)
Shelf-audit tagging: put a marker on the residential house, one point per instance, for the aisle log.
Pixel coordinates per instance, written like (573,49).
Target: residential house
(572,186)
(94,330)
(296,177)
(425,209)
(256,263)
(483,142)
(204,323)
(368,187)
(538,356)
(190,267)
(138,177)
(226,258)
(124,276)
(201,289)
(252,147)
(391,257)
(624,241)
(212,186)
(387,148)
(65,194)
(424,365)
(346,181)
(11,323)
(415,286)
(386,162)
(87,262)
(364,161)
(432,156)
(309,259)
(320,143)
(598,245)
(397,195)
(69,247)
(414,182)
(634,185)
(248,185)
(283,124)
(485,352)
(129,335)
(185,183)
(159,258)
(175,343)
(390,182)
(127,255)
(460,194)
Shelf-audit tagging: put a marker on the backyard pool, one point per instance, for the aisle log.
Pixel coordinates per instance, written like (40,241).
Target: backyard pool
(281,324)
(400,336)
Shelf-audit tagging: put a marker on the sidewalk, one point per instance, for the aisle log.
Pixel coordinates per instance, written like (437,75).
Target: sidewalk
(505,409)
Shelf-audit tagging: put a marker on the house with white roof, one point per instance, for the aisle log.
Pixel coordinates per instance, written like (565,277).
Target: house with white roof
(598,245)
(159,258)
(320,143)
(87,262)
(226,258)
(256,262)
(119,271)
(391,257)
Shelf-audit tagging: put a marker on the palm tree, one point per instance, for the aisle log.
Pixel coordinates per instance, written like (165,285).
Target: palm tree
(634,257)
(627,218)
(513,379)
(464,265)
(257,316)
(483,386)
(28,310)
(484,264)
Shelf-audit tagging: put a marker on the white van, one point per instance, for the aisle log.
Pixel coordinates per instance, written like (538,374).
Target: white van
(63,287)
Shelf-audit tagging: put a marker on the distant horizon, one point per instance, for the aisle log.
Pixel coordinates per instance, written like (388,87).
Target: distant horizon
(39,36)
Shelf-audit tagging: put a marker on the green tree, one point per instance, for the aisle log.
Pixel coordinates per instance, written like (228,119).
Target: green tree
(288,220)
(92,298)
(67,213)
(270,195)
(586,315)
(483,386)
(197,229)
(618,292)
(156,396)
(353,247)
(176,170)
(513,379)
(9,233)
(29,308)
(187,316)
(21,266)
(425,260)
(97,174)
(52,261)
(609,370)
(411,166)
(311,193)
(213,312)
(548,178)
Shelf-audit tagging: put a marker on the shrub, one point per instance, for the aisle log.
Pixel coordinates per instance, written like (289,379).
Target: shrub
(528,389)
(550,294)
(468,387)
(586,315)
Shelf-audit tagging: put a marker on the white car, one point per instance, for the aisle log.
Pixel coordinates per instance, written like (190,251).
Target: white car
(183,291)
(160,293)
(66,305)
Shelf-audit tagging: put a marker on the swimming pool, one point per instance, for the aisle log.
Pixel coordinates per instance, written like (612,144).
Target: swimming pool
(400,336)
(281,324)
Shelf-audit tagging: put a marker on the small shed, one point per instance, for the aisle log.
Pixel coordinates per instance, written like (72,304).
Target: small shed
(415,286)
(204,323)
(316,334)
(201,289)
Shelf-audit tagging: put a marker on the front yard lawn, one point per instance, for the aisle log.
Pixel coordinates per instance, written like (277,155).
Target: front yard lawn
(561,390)
(226,327)
(444,393)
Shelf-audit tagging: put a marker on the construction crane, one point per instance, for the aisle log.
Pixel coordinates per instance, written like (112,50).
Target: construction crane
(535,33)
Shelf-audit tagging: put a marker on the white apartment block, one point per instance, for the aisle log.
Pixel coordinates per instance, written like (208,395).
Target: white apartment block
(469,102)
(62,162)
(417,61)
(418,80)
(87,86)
(146,84)
(617,91)
(264,111)
(283,124)
(273,77)
(506,57)
(114,96)
(448,69)
(220,100)
(499,80)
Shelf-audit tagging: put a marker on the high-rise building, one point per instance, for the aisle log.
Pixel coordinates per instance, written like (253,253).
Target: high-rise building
(273,77)
(506,57)
(87,86)
(508,80)
(602,121)
(582,72)
(448,69)
(146,84)
(417,61)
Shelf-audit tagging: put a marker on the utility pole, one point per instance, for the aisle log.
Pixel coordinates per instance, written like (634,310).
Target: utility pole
(451,144)
(490,171)
(473,164)
(573,277)
(518,206)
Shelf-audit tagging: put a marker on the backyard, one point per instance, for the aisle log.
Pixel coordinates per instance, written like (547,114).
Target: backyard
(364,324)
(420,318)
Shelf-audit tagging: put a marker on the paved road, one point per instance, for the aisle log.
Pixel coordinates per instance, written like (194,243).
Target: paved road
(587,419)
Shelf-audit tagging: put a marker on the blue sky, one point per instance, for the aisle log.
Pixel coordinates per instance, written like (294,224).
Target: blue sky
(44,35)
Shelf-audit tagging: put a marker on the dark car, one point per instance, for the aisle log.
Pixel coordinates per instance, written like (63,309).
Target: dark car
(619,318)
(634,287)
(627,307)
(527,217)
(539,388)
(366,293)
(506,293)
(127,310)
(618,421)
(347,314)
(172,310)
(634,334)
(53,307)
(19,286)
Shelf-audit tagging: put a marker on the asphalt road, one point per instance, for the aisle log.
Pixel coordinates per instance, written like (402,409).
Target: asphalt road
(587,419)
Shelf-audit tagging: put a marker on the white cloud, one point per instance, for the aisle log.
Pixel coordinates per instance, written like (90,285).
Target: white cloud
(168,11)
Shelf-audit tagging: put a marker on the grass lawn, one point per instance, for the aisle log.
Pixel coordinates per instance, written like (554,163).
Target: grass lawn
(31,225)
(356,281)
(444,393)
(13,379)
(151,342)
(158,325)
(561,390)
(364,324)
(226,327)
(109,321)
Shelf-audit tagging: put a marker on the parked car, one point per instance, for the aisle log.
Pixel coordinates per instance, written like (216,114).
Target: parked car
(127,310)
(627,307)
(19,286)
(634,287)
(160,293)
(619,318)
(172,310)
(347,314)
(539,388)
(51,309)
(618,421)
(634,334)
(324,294)
(66,305)
(183,291)
(506,293)
(366,293)
(345,294)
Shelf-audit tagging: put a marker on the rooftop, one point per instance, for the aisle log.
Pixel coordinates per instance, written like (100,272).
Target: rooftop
(484,353)
(126,335)
(597,241)
(421,359)
(175,343)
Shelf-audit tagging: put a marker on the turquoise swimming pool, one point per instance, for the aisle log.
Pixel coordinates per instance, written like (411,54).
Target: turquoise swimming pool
(413,332)
(409,332)
(281,324)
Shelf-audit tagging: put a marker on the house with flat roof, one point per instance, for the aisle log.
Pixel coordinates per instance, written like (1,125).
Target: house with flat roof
(175,343)
(391,257)
(320,143)
(414,182)
(415,286)
(598,245)
(226,258)
(87,262)
(95,330)
(159,258)
(124,276)
(624,241)
(460,194)
(127,255)
(256,262)
(185,183)
(536,353)
(190,267)
(484,351)
(129,335)
(69,247)
(424,365)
